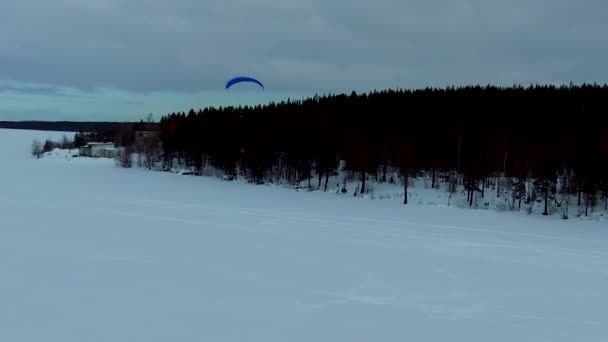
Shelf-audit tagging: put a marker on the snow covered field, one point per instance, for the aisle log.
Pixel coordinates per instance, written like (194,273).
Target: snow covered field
(93,252)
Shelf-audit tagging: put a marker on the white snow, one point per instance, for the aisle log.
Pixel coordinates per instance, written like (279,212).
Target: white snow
(93,252)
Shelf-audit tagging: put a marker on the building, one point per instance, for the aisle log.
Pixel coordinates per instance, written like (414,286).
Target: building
(142,136)
(99,150)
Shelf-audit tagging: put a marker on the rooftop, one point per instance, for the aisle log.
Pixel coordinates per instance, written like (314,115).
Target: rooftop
(100,143)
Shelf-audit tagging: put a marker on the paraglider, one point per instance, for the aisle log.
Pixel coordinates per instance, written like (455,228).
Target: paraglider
(243,79)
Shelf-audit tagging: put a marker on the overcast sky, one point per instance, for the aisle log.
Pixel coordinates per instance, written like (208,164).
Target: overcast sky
(121,59)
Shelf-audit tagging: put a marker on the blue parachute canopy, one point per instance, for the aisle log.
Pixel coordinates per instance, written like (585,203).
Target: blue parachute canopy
(243,79)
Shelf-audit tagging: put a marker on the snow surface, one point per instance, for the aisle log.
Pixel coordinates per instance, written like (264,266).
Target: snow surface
(93,252)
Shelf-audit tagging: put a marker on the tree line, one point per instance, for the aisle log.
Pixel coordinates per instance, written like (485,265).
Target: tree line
(542,143)
(68,126)
(39,148)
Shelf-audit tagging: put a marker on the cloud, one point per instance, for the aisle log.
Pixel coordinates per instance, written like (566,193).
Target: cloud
(126,56)
(26,89)
(191,45)
(29,89)
(118,105)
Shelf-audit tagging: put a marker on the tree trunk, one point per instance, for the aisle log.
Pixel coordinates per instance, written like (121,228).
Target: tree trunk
(567,204)
(458,163)
(483,187)
(405,181)
(546,189)
(433,179)
(519,206)
(320,176)
(384,174)
(504,172)
(498,186)
(309,177)
(326,179)
(363,177)
(580,193)
(471,198)
(568,191)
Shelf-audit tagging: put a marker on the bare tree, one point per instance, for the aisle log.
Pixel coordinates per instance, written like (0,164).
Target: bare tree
(150,155)
(151,151)
(452,185)
(590,190)
(37,149)
(124,157)
(149,121)
(66,144)
(564,191)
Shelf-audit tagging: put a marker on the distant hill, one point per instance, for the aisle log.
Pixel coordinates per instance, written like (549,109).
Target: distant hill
(67,126)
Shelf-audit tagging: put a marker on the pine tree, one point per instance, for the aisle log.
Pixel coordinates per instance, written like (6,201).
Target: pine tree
(546,187)
(518,191)
(406,160)
(49,145)
(79,139)
(283,141)
(590,191)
